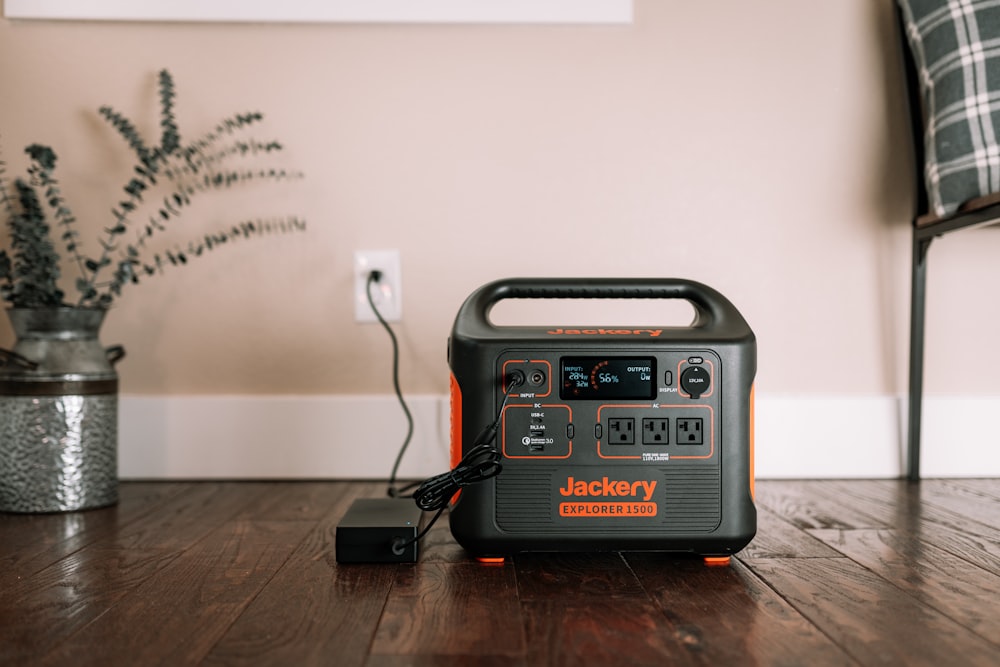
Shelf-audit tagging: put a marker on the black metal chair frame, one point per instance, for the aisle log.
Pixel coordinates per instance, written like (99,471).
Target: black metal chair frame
(980,212)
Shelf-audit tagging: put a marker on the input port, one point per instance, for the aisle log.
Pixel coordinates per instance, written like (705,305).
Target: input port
(536,377)
(513,380)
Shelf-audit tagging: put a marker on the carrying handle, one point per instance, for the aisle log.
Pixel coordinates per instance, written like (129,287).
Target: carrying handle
(115,353)
(9,358)
(711,308)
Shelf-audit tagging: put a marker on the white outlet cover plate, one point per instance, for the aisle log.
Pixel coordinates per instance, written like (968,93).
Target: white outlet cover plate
(387,294)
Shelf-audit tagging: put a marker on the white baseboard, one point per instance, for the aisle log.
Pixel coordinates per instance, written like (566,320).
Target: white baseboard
(358,437)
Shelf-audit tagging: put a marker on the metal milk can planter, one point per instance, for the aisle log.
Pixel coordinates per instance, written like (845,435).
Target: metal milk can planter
(58,413)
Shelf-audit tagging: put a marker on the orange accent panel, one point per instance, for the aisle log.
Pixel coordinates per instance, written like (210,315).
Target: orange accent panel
(456,421)
(753,388)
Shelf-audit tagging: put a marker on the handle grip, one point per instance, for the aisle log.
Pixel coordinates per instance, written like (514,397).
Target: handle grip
(115,353)
(711,308)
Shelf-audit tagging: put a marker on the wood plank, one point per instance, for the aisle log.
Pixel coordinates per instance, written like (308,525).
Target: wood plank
(907,504)
(777,538)
(584,631)
(301,500)
(985,486)
(461,609)
(66,596)
(582,608)
(957,499)
(179,613)
(947,527)
(31,542)
(728,616)
(872,620)
(445,661)
(175,522)
(815,504)
(936,577)
(314,608)
(546,576)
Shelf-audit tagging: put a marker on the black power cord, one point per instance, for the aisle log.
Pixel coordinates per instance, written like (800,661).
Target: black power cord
(480,463)
(373,278)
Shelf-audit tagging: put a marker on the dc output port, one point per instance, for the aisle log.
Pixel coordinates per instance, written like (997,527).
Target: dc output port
(536,377)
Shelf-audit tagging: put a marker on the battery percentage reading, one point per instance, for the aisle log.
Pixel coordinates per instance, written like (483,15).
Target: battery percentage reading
(599,375)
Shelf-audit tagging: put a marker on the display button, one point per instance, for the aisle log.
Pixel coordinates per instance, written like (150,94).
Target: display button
(696,381)
(668,378)
(599,431)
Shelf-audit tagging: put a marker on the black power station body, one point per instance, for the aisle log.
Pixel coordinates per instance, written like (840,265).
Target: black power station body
(619,438)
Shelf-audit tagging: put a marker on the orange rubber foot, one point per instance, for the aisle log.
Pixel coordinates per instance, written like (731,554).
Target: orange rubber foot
(490,560)
(716,561)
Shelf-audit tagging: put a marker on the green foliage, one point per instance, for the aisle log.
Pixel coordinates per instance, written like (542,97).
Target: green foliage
(178,172)
(34,274)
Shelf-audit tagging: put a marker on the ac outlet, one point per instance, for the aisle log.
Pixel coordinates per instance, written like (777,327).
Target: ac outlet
(621,431)
(387,293)
(655,431)
(690,431)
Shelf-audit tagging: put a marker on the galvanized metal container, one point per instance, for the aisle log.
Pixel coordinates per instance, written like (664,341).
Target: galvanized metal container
(58,413)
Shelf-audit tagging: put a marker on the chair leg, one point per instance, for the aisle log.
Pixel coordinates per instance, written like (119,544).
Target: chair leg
(918,296)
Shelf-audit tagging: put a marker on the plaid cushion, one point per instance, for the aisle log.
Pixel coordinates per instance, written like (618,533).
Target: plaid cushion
(956,48)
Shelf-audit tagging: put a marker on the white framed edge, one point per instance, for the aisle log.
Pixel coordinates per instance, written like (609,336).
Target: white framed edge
(347,11)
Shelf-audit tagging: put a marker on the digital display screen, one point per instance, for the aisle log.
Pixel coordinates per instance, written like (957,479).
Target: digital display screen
(607,378)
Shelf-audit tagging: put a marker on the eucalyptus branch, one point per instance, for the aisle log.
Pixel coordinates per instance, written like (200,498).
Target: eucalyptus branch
(250,148)
(5,200)
(132,265)
(170,140)
(29,277)
(6,266)
(43,163)
(35,270)
(131,135)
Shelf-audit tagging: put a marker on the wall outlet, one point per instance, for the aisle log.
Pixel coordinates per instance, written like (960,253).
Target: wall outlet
(387,293)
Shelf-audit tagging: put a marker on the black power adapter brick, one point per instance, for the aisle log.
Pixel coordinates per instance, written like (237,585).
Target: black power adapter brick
(379,530)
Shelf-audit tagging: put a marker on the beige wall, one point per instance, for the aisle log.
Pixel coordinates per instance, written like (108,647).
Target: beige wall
(757,147)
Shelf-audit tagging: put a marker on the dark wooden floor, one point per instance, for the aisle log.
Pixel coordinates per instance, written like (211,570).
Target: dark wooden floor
(841,573)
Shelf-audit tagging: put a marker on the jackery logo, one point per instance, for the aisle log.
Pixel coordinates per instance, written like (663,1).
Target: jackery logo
(605,488)
(652,333)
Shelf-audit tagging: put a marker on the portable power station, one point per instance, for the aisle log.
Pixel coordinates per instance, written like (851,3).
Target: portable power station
(613,438)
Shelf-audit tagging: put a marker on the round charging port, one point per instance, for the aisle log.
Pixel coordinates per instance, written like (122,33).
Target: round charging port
(536,377)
